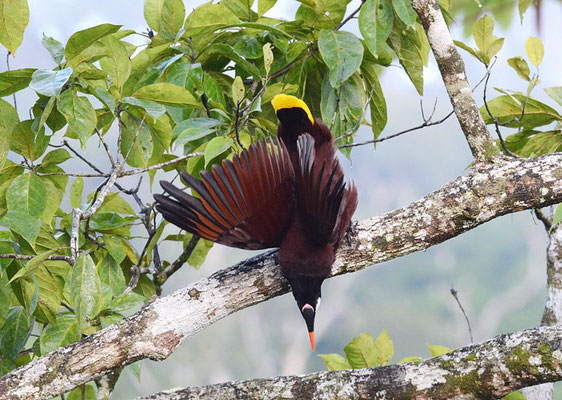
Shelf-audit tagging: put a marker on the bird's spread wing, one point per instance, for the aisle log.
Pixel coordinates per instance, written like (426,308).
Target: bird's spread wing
(324,202)
(246,203)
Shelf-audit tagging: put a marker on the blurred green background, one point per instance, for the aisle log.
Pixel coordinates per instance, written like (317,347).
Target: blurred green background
(498,268)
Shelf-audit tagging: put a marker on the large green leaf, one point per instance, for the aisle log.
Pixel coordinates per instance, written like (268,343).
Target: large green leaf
(32,264)
(83,39)
(8,120)
(404,11)
(375,23)
(25,142)
(209,14)
(64,331)
(167,94)
(14,17)
(335,362)
(79,114)
(75,193)
(56,156)
(217,146)
(111,278)
(51,286)
(193,129)
(342,52)
(48,82)
(165,16)
(5,294)
(54,47)
(364,351)
(407,45)
(85,289)
(229,52)
(116,63)
(377,104)
(14,81)
(152,108)
(264,6)
(14,332)
(509,110)
(26,195)
(23,224)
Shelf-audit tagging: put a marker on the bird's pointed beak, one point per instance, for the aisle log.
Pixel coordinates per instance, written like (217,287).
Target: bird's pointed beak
(308,314)
(311,335)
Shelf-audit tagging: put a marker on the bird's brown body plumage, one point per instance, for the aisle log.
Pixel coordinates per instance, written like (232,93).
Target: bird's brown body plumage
(289,193)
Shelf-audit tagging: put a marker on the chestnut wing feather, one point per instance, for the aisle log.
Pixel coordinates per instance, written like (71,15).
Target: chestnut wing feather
(324,202)
(246,203)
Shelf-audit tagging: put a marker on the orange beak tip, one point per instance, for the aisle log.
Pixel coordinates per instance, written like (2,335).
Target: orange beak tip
(311,335)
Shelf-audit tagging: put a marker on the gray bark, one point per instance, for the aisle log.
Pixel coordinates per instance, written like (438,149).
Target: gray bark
(487,370)
(484,193)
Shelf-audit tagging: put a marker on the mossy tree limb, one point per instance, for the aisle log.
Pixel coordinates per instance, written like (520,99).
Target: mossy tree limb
(485,192)
(487,370)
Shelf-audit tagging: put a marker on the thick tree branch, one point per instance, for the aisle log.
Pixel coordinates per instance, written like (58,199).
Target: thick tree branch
(452,70)
(485,192)
(488,370)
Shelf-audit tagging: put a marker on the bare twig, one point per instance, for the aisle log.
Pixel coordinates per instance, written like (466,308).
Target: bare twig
(161,277)
(160,165)
(106,147)
(55,257)
(350,16)
(454,293)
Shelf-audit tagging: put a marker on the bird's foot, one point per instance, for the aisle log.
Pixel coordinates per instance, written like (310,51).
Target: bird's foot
(349,232)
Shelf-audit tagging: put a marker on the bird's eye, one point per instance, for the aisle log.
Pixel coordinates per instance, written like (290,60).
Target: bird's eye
(318,303)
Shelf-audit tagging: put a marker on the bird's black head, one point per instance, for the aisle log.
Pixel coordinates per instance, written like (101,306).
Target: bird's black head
(307,292)
(294,115)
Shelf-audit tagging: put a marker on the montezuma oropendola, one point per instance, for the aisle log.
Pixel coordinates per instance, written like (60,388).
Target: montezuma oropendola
(288,193)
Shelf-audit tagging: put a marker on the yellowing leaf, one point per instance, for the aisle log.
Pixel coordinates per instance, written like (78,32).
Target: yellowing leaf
(535,50)
(14,17)
(237,90)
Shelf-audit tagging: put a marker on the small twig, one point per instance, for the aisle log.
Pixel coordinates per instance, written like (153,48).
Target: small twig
(423,125)
(161,165)
(455,295)
(106,147)
(74,241)
(62,303)
(55,257)
(133,282)
(545,219)
(181,260)
(289,67)
(350,16)
(102,175)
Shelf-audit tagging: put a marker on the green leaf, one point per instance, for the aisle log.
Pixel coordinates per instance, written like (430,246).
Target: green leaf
(194,128)
(63,332)
(221,49)
(375,23)
(267,57)
(83,39)
(237,90)
(411,359)
(85,289)
(14,81)
(342,52)
(54,47)
(56,156)
(116,63)
(437,350)
(557,217)
(199,253)
(335,362)
(50,279)
(520,66)
(377,105)
(509,108)
(404,11)
(135,369)
(535,50)
(5,294)
(411,53)
(522,7)
(217,146)
(165,16)
(466,47)
(483,33)
(89,393)
(26,195)
(517,395)
(209,14)
(8,120)
(14,332)
(32,264)
(555,93)
(360,351)
(79,114)
(125,301)
(115,248)
(111,275)
(264,6)
(26,143)
(14,17)
(23,224)
(76,190)
(167,94)
(152,108)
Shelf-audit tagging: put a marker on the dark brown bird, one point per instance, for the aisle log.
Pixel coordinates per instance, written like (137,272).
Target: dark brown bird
(288,193)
